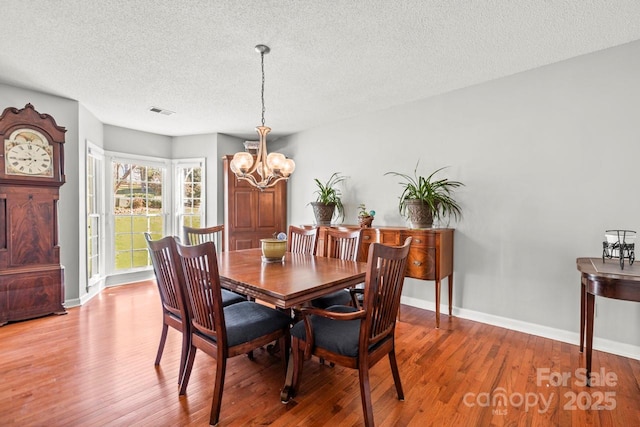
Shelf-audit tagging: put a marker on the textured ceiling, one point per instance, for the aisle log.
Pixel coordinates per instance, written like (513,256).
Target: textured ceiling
(329,60)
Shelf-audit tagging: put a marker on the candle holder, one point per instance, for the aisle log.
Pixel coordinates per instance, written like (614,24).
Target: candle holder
(619,244)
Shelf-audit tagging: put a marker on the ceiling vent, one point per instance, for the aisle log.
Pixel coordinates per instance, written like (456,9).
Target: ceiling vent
(161,111)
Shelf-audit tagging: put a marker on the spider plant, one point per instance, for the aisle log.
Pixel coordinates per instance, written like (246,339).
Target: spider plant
(435,194)
(328,193)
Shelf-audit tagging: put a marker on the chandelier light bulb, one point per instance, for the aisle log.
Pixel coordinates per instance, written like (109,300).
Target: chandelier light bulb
(242,161)
(288,167)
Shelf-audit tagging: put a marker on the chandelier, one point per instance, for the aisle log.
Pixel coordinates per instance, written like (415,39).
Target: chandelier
(269,168)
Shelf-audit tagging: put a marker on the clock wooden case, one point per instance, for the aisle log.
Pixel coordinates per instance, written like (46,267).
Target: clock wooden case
(31,173)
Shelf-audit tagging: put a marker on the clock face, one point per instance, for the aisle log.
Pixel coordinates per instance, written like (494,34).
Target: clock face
(28,153)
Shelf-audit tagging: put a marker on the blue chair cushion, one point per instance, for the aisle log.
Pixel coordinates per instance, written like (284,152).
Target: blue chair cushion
(248,320)
(341,297)
(229,298)
(337,336)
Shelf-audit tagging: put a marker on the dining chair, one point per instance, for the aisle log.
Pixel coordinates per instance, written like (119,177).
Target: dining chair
(341,244)
(170,282)
(357,338)
(168,279)
(223,332)
(302,240)
(195,236)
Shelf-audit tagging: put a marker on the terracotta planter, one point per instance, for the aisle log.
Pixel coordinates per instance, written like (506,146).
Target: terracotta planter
(323,212)
(419,214)
(365,221)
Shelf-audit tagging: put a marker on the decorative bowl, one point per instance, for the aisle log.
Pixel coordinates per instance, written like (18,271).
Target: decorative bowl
(273,249)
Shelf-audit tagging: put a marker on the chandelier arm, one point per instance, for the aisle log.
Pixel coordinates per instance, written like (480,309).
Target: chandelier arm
(265,183)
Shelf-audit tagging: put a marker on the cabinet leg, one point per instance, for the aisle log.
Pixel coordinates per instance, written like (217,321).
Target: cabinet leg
(450,280)
(438,304)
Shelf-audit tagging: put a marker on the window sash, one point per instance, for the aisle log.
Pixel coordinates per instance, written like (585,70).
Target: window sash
(138,202)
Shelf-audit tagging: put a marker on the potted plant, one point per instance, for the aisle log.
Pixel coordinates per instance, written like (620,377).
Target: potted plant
(424,199)
(329,200)
(365,218)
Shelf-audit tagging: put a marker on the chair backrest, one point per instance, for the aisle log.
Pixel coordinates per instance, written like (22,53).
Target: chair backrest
(169,276)
(302,240)
(382,290)
(196,236)
(342,244)
(202,289)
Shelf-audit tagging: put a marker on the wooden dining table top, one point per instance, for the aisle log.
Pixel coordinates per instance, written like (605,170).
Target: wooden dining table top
(297,279)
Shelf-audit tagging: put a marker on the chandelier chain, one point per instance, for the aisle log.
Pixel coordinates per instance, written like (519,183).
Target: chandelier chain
(262,92)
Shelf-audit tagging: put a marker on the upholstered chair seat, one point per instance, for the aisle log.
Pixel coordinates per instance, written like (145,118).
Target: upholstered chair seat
(337,336)
(247,321)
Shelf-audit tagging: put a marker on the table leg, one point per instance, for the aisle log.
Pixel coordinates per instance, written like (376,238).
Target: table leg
(286,392)
(591,300)
(583,301)
(438,303)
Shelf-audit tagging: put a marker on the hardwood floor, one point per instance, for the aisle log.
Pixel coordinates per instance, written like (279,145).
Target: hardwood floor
(94,367)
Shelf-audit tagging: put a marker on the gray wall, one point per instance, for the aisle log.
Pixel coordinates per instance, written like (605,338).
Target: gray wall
(123,140)
(213,147)
(549,158)
(65,112)
(226,145)
(196,146)
(89,129)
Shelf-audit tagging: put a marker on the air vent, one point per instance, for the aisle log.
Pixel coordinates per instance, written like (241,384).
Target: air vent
(161,111)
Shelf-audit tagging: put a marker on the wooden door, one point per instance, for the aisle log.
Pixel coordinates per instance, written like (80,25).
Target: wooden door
(251,214)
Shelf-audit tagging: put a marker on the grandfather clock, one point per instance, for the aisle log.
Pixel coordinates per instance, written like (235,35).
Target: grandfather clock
(31,173)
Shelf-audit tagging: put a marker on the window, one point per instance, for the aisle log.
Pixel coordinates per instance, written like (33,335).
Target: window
(95,215)
(137,207)
(189,194)
(140,192)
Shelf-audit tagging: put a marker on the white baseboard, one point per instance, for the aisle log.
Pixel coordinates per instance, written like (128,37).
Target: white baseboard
(111,281)
(601,344)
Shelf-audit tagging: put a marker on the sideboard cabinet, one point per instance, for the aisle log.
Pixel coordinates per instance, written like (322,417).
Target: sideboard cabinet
(430,255)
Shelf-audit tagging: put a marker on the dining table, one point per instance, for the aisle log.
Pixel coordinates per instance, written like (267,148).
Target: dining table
(287,284)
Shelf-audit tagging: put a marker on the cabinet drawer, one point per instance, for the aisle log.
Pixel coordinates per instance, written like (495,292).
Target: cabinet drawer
(390,237)
(420,239)
(421,263)
(369,235)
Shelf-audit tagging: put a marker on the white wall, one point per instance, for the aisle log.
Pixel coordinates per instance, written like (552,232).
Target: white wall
(549,158)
